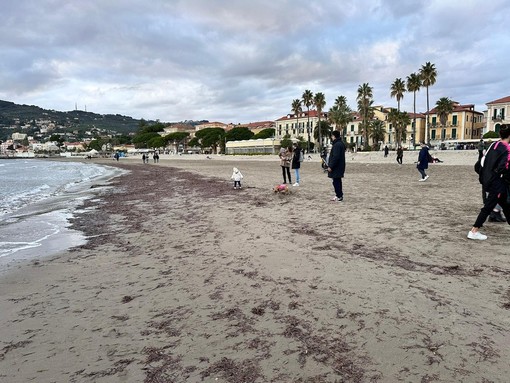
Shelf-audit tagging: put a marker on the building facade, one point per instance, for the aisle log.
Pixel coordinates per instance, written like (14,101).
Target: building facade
(498,112)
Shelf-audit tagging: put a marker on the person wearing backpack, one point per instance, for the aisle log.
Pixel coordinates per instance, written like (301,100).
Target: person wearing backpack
(495,179)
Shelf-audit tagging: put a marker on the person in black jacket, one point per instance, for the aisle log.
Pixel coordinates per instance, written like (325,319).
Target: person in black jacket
(495,179)
(336,165)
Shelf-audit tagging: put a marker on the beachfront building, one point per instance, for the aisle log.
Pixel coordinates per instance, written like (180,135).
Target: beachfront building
(258,146)
(463,123)
(299,127)
(498,112)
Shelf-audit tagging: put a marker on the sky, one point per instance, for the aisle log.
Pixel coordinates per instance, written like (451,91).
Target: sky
(241,61)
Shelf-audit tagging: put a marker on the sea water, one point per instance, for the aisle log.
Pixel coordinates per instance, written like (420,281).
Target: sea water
(37,198)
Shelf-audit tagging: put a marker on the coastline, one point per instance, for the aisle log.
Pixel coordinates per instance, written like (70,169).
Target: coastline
(185,279)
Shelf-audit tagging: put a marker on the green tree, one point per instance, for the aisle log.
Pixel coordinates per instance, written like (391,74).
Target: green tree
(340,114)
(324,131)
(265,133)
(428,74)
(365,109)
(210,138)
(296,109)
(285,142)
(156,142)
(397,90)
(377,132)
(444,106)
(414,85)
(307,98)
(239,133)
(319,100)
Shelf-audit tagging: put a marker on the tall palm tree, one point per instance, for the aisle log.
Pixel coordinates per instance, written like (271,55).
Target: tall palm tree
(428,74)
(397,90)
(403,121)
(296,109)
(444,106)
(307,99)
(414,85)
(340,114)
(319,100)
(365,109)
(393,119)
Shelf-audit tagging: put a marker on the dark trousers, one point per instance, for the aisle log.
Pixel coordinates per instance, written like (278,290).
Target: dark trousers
(337,184)
(491,200)
(399,160)
(286,173)
(237,184)
(422,172)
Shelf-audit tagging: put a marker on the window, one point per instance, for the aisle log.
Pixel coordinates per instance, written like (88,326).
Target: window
(454,133)
(434,121)
(454,120)
(433,134)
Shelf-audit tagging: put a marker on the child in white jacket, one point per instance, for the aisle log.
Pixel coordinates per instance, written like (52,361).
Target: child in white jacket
(237,177)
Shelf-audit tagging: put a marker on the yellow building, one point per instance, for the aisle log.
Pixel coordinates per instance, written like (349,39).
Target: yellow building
(463,123)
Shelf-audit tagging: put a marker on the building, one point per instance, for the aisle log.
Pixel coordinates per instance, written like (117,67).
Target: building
(463,123)
(498,113)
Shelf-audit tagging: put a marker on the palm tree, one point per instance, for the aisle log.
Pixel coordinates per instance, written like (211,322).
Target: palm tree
(340,114)
(307,99)
(365,101)
(397,90)
(403,120)
(444,106)
(319,101)
(414,85)
(324,131)
(393,119)
(296,109)
(377,131)
(428,74)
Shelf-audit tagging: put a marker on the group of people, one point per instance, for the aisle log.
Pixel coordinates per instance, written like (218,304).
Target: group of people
(291,158)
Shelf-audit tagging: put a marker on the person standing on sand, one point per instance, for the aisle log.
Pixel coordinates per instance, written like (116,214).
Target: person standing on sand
(237,177)
(386,150)
(285,158)
(481,149)
(495,178)
(423,161)
(297,158)
(400,155)
(336,165)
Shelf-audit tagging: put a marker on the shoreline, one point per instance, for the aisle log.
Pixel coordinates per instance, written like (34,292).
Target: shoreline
(188,280)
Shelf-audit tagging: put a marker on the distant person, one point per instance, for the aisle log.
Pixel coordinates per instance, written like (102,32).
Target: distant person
(423,161)
(336,165)
(481,149)
(155,157)
(116,156)
(400,155)
(386,150)
(297,158)
(285,158)
(143,158)
(495,179)
(236,177)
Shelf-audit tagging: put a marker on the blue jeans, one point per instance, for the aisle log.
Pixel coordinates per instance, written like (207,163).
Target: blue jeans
(337,184)
(298,178)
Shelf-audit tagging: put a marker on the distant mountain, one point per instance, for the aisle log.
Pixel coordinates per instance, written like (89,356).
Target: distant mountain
(76,119)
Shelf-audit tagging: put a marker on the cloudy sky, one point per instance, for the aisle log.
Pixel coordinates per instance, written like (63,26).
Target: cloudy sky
(246,60)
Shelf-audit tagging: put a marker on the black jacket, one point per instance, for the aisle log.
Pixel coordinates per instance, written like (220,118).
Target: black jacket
(337,159)
(495,173)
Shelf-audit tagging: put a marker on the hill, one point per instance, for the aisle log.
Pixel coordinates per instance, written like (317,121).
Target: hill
(11,113)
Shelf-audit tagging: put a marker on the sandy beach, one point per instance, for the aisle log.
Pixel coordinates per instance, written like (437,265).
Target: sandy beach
(184,279)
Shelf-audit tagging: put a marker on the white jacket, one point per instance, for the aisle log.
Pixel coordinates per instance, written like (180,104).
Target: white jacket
(236,175)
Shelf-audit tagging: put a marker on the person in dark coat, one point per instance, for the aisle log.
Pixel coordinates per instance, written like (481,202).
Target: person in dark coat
(297,158)
(495,179)
(423,161)
(336,165)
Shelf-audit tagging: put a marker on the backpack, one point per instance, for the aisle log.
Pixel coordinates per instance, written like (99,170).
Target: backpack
(479,164)
(301,156)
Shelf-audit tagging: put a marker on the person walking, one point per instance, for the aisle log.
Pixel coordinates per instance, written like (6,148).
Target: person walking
(495,179)
(481,148)
(400,155)
(386,150)
(297,158)
(285,158)
(423,161)
(336,165)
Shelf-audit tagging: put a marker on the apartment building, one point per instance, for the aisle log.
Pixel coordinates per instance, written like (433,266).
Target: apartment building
(463,123)
(498,113)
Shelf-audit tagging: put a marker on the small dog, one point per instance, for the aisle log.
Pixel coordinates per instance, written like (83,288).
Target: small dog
(281,189)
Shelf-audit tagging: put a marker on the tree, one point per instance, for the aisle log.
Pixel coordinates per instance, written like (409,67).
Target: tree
(239,133)
(210,137)
(296,109)
(319,101)
(397,90)
(340,114)
(265,133)
(428,74)
(377,132)
(285,142)
(324,131)
(414,85)
(307,98)
(365,109)
(156,142)
(444,106)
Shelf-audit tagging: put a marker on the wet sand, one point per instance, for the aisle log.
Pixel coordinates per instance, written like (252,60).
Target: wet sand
(186,280)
